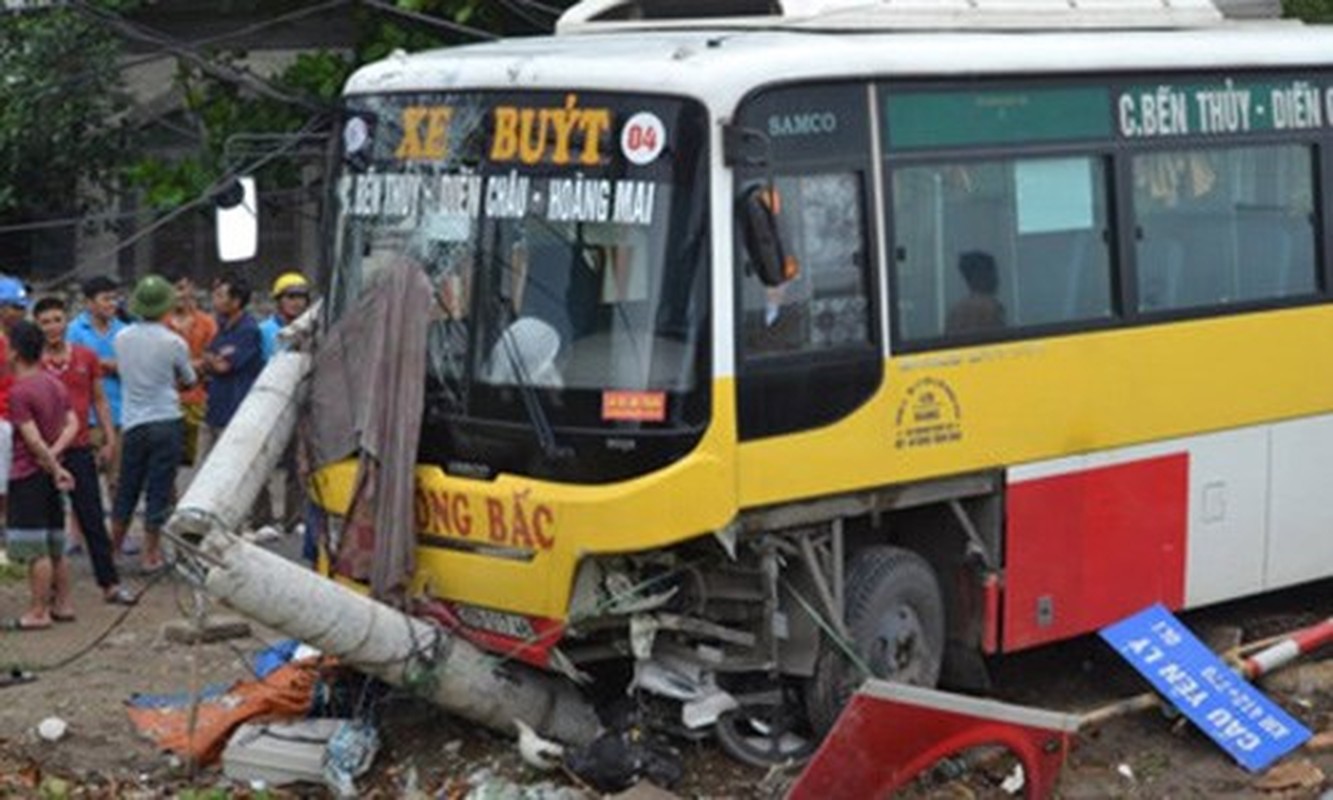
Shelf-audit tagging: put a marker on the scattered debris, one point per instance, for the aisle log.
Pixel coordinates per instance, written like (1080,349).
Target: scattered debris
(1014,782)
(645,790)
(615,761)
(16,676)
(1222,638)
(1290,648)
(197,726)
(485,784)
(1300,774)
(278,753)
(537,752)
(1302,679)
(52,729)
(1320,742)
(351,751)
(213,629)
(909,729)
(1126,771)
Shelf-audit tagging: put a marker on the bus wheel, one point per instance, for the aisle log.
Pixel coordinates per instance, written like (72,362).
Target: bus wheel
(895,617)
(768,728)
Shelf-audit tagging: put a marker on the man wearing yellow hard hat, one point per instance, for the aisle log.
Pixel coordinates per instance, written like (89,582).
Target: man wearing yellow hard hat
(291,297)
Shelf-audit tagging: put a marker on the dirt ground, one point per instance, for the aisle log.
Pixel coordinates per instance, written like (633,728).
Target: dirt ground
(86,670)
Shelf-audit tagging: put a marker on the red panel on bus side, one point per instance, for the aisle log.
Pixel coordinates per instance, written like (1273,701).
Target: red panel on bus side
(1085,549)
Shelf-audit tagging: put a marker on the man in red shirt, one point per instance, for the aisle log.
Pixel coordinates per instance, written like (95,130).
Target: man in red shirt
(78,369)
(44,425)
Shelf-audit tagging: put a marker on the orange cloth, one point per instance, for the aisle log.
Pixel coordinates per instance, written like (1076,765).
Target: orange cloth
(287,692)
(198,330)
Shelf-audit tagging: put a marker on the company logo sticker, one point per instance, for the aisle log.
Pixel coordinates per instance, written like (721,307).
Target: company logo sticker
(928,416)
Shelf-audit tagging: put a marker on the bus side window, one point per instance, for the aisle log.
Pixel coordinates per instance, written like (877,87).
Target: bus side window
(824,306)
(1223,226)
(984,248)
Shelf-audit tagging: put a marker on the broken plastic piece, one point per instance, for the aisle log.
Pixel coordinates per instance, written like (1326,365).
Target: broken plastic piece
(891,732)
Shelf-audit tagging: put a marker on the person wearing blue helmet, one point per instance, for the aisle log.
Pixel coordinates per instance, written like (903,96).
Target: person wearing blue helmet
(13,307)
(13,301)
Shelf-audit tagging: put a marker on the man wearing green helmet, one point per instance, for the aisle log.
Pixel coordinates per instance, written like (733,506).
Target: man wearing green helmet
(154,362)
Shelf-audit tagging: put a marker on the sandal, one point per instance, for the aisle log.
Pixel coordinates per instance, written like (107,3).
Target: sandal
(70,617)
(17,624)
(120,596)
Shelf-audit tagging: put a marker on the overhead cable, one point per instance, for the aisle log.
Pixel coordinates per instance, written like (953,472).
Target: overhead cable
(163,51)
(204,197)
(426,19)
(231,74)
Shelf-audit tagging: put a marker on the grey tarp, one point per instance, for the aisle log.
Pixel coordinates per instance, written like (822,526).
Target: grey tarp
(366,399)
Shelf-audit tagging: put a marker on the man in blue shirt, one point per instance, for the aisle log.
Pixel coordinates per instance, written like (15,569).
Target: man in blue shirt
(291,297)
(96,328)
(232,360)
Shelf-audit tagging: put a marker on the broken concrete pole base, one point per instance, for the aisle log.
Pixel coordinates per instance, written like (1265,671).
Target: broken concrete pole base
(211,629)
(401,650)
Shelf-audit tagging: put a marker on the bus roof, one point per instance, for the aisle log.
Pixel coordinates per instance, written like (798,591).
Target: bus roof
(721,66)
(867,15)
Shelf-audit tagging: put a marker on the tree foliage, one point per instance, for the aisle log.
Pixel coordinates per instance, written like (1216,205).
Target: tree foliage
(61,110)
(222,109)
(1308,10)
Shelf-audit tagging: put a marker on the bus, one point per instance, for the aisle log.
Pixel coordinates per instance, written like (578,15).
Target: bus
(782,343)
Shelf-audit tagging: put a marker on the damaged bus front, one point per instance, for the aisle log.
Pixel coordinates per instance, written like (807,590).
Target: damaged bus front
(569,389)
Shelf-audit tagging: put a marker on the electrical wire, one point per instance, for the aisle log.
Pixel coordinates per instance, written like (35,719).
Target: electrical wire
(542,7)
(521,12)
(236,75)
(426,19)
(204,197)
(96,641)
(195,44)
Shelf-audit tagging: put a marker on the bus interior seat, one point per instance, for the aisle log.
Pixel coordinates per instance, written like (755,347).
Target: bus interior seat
(1276,255)
(1264,257)
(1060,278)
(1161,264)
(1207,275)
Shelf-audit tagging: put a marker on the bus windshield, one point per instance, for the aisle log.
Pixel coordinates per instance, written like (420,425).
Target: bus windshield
(564,236)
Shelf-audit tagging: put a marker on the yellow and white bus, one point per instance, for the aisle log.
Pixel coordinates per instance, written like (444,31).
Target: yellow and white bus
(783,341)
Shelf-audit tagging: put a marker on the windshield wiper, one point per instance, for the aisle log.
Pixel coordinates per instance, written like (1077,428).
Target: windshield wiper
(532,403)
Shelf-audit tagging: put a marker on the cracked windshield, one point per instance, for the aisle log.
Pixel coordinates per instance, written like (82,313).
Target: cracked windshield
(564,238)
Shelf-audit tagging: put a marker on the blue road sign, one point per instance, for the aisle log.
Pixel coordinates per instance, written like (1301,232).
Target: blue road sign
(1234,714)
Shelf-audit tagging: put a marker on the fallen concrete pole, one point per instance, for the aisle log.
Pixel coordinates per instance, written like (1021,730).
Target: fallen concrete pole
(364,634)
(401,650)
(228,482)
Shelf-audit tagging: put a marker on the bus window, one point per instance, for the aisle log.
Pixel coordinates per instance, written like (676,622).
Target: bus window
(1223,226)
(983,246)
(825,305)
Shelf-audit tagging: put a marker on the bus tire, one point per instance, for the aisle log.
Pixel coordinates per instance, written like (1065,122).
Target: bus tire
(895,617)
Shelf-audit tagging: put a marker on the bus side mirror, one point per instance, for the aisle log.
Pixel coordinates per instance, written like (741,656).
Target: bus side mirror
(237,220)
(763,236)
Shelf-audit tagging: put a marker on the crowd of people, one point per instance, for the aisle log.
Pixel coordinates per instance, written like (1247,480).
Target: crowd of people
(124,395)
